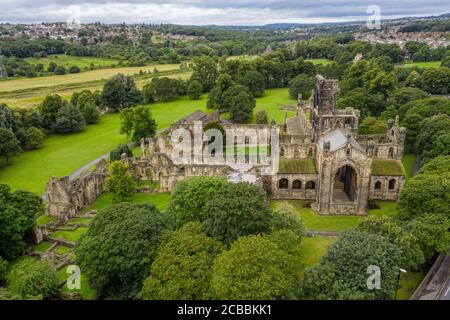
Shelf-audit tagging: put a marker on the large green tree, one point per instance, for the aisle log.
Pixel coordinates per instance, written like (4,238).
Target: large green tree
(120,92)
(120,181)
(9,145)
(237,210)
(205,71)
(137,123)
(18,211)
(189,199)
(118,249)
(68,119)
(182,269)
(254,268)
(342,273)
(301,84)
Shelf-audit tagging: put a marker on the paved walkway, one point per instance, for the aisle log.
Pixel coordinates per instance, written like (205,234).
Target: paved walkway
(436,284)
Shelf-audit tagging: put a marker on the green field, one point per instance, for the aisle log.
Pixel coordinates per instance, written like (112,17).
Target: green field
(68,61)
(70,79)
(61,155)
(334,223)
(428,64)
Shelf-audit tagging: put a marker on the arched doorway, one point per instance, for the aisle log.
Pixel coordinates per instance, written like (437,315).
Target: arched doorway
(344,184)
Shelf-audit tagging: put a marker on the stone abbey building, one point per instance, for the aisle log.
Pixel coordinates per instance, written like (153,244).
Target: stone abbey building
(322,158)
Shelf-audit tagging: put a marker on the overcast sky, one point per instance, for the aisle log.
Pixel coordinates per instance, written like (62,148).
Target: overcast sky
(223,12)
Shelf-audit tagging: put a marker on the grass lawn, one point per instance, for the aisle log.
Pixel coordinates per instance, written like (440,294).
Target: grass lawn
(408,284)
(72,236)
(86,292)
(68,61)
(408,163)
(159,199)
(80,220)
(42,247)
(428,64)
(44,219)
(316,222)
(319,61)
(61,155)
(62,250)
(271,102)
(312,248)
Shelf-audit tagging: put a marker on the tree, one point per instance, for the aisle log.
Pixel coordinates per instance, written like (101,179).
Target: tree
(262,117)
(371,125)
(3,271)
(163,89)
(436,80)
(49,109)
(120,181)
(86,103)
(120,92)
(68,119)
(430,129)
(60,70)
(17,220)
(182,269)
(241,109)
(205,71)
(74,69)
(427,192)
(432,233)
(254,268)
(406,94)
(118,249)
(440,147)
(188,200)
(413,80)
(137,123)
(34,138)
(369,104)
(117,153)
(51,67)
(342,273)
(32,278)
(412,256)
(301,84)
(9,145)
(194,89)
(237,210)
(255,82)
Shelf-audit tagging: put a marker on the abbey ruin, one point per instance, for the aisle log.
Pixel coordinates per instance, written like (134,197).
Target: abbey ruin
(322,159)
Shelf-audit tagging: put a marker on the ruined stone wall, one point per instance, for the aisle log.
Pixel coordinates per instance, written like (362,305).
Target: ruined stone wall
(63,198)
(299,186)
(386,187)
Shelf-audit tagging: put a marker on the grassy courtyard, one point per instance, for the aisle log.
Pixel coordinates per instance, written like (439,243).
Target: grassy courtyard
(335,223)
(160,200)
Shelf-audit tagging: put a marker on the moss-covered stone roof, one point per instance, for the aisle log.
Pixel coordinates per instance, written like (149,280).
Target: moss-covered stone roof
(297,166)
(384,167)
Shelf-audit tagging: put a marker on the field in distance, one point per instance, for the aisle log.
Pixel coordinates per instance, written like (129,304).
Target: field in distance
(69,61)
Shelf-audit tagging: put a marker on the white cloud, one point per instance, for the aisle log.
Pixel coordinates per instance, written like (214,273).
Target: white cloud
(232,12)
